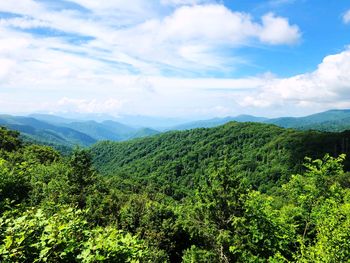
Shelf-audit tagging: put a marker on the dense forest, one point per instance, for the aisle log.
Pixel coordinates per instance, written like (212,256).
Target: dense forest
(241,192)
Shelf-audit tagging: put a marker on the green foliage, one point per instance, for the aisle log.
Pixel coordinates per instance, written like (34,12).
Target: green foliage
(41,154)
(237,193)
(9,140)
(14,183)
(195,254)
(112,245)
(175,162)
(82,176)
(65,236)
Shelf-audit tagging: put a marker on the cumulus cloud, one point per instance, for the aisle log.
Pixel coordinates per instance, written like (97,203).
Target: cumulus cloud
(277,30)
(346,17)
(326,87)
(218,24)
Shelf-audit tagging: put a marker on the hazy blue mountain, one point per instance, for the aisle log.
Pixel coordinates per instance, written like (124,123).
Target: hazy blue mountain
(96,130)
(334,125)
(217,122)
(332,120)
(107,130)
(54,119)
(46,132)
(111,130)
(144,132)
(58,131)
(134,121)
(76,116)
(158,123)
(117,126)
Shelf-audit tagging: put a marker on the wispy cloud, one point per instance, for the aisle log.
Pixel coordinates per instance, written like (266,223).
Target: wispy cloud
(346,17)
(182,39)
(142,56)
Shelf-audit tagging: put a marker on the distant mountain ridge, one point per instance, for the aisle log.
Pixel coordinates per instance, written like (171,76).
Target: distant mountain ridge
(217,122)
(46,132)
(332,121)
(55,130)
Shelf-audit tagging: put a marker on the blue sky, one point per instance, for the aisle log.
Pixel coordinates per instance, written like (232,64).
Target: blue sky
(174,58)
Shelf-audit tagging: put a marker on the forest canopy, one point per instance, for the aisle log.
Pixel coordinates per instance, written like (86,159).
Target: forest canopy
(235,193)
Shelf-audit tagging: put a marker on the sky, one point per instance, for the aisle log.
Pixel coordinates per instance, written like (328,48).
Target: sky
(174,58)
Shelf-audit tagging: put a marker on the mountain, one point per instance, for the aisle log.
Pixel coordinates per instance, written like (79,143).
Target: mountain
(110,130)
(216,122)
(332,120)
(134,121)
(144,132)
(77,116)
(46,132)
(62,132)
(107,130)
(157,123)
(51,118)
(264,155)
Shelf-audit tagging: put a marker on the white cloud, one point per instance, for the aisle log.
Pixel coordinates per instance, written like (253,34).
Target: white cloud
(23,23)
(218,24)
(132,45)
(277,30)
(208,22)
(346,17)
(24,7)
(326,87)
(6,65)
(182,40)
(194,34)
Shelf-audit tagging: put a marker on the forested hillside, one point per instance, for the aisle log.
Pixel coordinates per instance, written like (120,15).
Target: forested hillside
(235,193)
(264,155)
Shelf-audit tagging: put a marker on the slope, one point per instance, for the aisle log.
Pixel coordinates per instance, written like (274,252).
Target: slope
(332,120)
(264,155)
(216,122)
(46,132)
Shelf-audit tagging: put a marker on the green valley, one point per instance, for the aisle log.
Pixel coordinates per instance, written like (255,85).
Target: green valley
(241,192)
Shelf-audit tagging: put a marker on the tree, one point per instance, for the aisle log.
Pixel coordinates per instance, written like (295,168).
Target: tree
(81,176)
(9,140)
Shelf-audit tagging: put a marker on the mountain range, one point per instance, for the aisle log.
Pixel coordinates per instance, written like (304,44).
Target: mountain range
(58,131)
(65,131)
(331,121)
